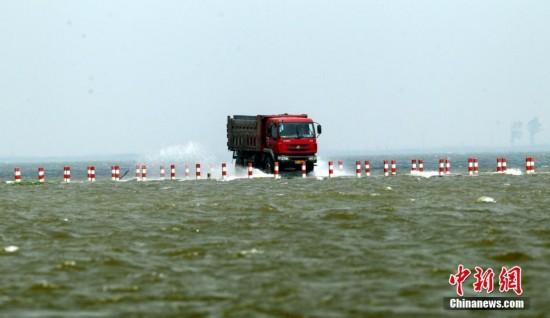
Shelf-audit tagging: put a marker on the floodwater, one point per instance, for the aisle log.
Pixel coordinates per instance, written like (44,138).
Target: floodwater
(314,247)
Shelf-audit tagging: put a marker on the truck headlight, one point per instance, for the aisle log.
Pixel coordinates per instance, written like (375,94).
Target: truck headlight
(282,158)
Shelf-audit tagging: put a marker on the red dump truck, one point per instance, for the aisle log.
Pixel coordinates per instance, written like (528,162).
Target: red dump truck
(263,139)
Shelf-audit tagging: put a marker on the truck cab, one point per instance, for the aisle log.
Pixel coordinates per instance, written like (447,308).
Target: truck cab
(291,141)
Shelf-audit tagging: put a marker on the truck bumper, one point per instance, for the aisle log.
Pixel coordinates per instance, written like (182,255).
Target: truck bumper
(286,159)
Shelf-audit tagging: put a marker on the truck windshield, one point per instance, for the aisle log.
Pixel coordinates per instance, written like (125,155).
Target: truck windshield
(296,130)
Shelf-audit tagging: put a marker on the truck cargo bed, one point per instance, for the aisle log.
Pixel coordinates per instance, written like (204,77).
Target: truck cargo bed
(243,133)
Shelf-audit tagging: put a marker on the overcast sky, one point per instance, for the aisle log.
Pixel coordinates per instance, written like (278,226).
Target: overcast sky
(107,77)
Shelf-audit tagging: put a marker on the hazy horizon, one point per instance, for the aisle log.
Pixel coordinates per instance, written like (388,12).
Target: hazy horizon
(136,77)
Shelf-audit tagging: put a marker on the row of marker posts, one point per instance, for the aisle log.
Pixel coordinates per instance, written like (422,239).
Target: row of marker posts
(390,168)
(444,167)
(141,172)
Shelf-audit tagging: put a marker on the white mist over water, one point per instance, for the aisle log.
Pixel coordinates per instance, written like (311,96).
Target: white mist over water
(190,152)
(188,155)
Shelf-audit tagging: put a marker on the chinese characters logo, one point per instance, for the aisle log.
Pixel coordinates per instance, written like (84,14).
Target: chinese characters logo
(508,279)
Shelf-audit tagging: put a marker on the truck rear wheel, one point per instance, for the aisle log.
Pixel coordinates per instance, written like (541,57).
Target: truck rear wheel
(309,167)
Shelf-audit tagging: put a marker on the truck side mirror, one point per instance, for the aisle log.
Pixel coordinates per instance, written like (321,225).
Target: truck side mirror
(319,129)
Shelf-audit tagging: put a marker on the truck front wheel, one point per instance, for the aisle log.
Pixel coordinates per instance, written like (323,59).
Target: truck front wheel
(268,164)
(309,167)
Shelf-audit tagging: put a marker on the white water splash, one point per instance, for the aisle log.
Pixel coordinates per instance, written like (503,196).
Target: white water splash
(425,174)
(509,171)
(484,199)
(11,249)
(251,251)
(321,170)
(513,172)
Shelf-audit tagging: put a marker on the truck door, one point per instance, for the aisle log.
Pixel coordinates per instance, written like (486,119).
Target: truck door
(271,136)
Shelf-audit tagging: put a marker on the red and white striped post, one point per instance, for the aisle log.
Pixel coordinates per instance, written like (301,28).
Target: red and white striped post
(441,167)
(250,170)
(115,173)
(393,168)
(476,166)
(358,169)
(138,172)
(367,168)
(41,175)
(224,171)
(304,170)
(172,172)
(386,168)
(414,167)
(143,172)
(91,173)
(340,165)
(66,174)
(471,166)
(447,166)
(162,172)
(330,169)
(502,165)
(420,165)
(276,170)
(197,171)
(530,165)
(17,175)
